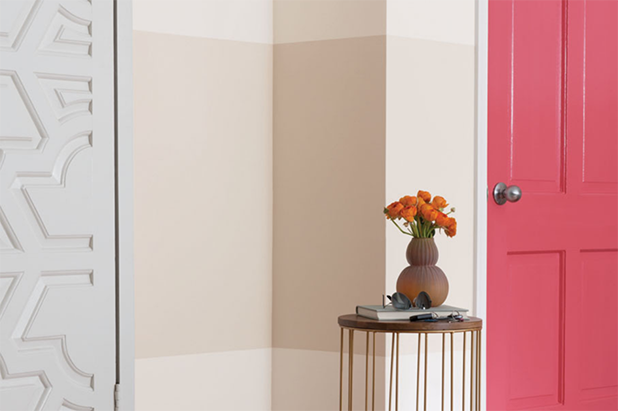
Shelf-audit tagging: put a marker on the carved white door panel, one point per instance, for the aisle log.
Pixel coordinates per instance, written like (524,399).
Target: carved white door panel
(57,222)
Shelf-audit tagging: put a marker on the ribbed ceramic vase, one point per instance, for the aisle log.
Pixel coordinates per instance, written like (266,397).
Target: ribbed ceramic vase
(422,274)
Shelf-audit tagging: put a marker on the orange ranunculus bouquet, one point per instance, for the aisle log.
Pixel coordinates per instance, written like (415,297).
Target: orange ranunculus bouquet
(422,216)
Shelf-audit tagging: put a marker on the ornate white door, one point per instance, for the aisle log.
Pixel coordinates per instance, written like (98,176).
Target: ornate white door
(57,206)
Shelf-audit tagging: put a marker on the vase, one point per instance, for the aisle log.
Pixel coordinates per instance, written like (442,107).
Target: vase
(422,274)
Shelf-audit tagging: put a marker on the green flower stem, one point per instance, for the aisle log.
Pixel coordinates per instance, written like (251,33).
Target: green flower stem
(419,226)
(400,229)
(413,228)
(418,234)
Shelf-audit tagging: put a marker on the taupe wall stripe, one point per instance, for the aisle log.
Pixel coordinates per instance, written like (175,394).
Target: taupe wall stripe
(332,139)
(329,141)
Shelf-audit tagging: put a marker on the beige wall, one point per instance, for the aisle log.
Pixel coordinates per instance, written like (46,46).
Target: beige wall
(335,142)
(203,204)
(196,158)
(446,21)
(329,127)
(268,137)
(249,21)
(297,21)
(430,146)
(329,182)
(430,127)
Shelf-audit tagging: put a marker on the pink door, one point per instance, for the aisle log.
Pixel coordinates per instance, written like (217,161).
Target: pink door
(552,287)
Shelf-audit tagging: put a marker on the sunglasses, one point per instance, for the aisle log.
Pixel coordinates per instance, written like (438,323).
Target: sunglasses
(400,301)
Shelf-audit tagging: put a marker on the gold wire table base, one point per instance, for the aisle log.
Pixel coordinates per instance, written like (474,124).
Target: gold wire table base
(471,362)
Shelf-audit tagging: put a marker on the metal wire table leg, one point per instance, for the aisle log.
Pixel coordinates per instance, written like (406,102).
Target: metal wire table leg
(341,373)
(350,368)
(425,382)
(390,385)
(397,378)
(473,345)
(418,370)
(366,371)
(373,379)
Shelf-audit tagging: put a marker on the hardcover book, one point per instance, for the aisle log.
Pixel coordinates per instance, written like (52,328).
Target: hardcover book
(388,313)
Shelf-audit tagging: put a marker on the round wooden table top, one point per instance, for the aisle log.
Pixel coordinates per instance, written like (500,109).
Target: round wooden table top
(361,323)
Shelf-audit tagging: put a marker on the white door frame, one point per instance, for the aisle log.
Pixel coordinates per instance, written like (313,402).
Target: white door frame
(480,257)
(124,199)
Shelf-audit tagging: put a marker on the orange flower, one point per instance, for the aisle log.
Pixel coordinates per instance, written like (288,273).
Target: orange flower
(422,215)
(424,195)
(408,201)
(393,210)
(451,228)
(408,213)
(443,220)
(439,202)
(428,212)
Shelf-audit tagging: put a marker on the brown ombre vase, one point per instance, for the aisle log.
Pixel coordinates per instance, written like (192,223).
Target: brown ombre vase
(422,274)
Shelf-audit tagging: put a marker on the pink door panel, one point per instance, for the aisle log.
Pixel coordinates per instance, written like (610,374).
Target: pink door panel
(553,256)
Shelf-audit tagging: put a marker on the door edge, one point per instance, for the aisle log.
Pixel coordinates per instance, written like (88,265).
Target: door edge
(480,224)
(125,314)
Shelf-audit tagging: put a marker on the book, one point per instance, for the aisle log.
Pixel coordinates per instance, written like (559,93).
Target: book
(388,313)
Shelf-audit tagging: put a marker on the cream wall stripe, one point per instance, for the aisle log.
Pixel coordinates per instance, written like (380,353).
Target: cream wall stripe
(203,149)
(450,21)
(292,21)
(233,380)
(430,145)
(239,20)
(312,20)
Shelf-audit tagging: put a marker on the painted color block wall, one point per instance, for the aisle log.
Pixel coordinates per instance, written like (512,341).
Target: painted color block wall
(430,127)
(430,145)
(329,141)
(305,117)
(203,198)
(416,131)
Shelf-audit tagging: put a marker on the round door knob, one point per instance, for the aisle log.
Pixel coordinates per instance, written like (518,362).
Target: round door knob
(502,194)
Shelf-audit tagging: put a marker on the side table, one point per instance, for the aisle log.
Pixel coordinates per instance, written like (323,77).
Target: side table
(471,372)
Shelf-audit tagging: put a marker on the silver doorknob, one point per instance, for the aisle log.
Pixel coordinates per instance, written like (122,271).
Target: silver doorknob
(502,193)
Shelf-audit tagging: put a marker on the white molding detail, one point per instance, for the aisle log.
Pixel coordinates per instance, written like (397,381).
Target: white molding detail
(50,280)
(12,39)
(57,179)
(36,379)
